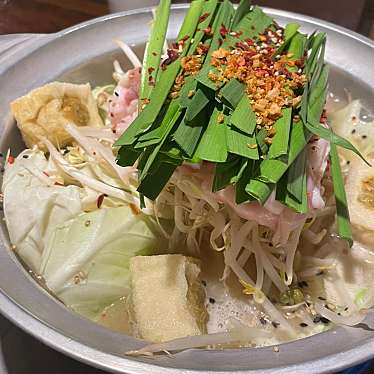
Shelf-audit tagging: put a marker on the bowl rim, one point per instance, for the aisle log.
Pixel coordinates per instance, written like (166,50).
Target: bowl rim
(95,357)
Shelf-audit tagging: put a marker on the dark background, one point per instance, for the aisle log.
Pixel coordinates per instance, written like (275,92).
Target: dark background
(43,16)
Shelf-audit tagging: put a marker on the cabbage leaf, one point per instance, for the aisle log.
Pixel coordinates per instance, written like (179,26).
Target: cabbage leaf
(34,205)
(86,261)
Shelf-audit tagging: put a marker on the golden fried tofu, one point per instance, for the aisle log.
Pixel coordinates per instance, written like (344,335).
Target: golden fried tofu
(167,297)
(45,111)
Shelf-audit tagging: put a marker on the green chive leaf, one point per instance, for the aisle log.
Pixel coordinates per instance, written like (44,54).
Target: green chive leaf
(279,145)
(344,227)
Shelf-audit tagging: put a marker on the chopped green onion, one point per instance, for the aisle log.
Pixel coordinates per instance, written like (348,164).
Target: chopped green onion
(279,145)
(259,190)
(271,170)
(166,81)
(152,56)
(241,144)
(227,172)
(296,175)
(289,32)
(213,144)
(243,117)
(232,93)
(344,227)
(242,10)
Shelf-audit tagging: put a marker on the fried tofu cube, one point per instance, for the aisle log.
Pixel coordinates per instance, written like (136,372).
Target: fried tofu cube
(167,297)
(45,111)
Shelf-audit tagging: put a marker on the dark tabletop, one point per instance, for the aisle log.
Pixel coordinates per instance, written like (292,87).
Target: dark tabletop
(43,16)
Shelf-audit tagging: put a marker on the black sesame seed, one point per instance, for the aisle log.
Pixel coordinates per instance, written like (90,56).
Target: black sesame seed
(339,314)
(322,298)
(309,304)
(203,283)
(25,156)
(348,162)
(116,93)
(325,320)
(1,155)
(303,324)
(275,324)
(211,300)
(364,136)
(327,307)
(320,272)
(353,131)
(303,284)
(317,319)
(346,308)
(263,321)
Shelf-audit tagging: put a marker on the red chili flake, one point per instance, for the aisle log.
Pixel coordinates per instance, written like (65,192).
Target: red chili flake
(135,209)
(223,31)
(287,73)
(323,118)
(299,63)
(173,55)
(242,61)
(10,159)
(207,30)
(151,70)
(262,72)
(242,45)
(184,39)
(203,17)
(250,41)
(100,200)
